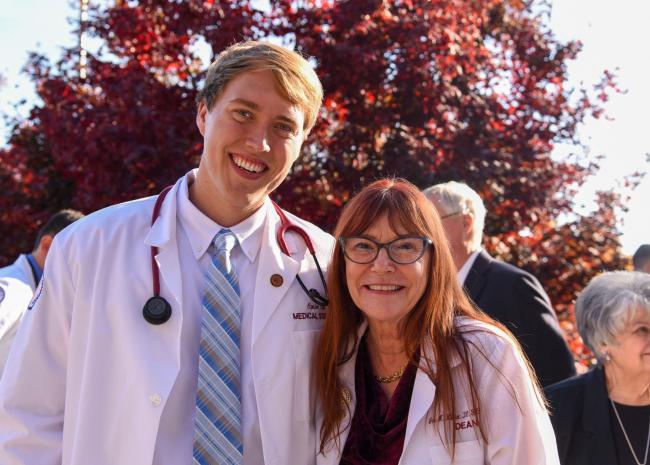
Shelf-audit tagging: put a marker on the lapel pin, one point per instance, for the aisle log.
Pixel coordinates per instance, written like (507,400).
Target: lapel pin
(276,280)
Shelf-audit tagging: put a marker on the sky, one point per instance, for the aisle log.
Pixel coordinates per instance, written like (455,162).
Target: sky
(614,38)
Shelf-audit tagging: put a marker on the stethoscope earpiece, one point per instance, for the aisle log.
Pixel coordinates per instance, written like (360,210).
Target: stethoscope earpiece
(157,310)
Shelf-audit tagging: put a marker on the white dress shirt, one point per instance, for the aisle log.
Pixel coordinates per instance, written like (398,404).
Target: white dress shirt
(464,270)
(194,232)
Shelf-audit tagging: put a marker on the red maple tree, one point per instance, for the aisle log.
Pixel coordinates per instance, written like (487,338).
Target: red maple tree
(426,90)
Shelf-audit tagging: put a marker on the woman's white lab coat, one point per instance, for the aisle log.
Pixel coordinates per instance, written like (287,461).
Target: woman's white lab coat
(518,428)
(88,377)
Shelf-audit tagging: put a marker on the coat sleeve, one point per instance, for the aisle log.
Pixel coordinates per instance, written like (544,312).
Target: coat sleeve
(539,332)
(32,389)
(15,295)
(517,425)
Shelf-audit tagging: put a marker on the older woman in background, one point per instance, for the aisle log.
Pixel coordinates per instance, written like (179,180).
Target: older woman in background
(603,416)
(407,370)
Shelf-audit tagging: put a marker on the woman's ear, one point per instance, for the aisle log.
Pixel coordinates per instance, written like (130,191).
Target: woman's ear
(603,352)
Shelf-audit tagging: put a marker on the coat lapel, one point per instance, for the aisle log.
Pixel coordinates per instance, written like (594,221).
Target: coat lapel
(477,276)
(422,397)
(163,236)
(272,262)
(424,392)
(596,419)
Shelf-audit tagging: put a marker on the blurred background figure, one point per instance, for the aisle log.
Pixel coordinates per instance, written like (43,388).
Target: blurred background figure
(506,293)
(641,258)
(603,416)
(18,281)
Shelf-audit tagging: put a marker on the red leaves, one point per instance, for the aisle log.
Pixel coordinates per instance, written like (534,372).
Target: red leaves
(426,90)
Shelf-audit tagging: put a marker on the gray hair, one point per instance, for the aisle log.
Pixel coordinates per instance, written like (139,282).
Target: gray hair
(457,197)
(605,306)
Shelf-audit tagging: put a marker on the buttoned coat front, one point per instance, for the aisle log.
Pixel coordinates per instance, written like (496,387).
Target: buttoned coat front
(516,424)
(90,377)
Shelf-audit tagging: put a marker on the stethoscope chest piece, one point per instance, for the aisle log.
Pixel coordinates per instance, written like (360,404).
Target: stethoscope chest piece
(157,310)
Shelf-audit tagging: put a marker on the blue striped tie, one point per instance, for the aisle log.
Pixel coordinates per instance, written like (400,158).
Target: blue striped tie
(217,426)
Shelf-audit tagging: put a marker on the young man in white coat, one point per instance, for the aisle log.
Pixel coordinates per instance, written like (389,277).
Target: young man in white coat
(18,281)
(92,381)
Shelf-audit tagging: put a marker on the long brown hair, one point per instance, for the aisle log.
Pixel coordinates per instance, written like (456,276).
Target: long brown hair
(431,323)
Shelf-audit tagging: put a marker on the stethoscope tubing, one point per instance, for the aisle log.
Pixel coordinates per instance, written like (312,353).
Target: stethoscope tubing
(157,310)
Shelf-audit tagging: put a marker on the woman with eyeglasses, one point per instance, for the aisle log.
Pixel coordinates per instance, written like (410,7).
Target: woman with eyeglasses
(407,370)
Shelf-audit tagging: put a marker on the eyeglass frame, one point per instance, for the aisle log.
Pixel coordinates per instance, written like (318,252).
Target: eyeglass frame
(385,245)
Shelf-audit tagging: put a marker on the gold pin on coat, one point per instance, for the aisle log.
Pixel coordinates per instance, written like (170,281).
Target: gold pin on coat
(346,396)
(276,280)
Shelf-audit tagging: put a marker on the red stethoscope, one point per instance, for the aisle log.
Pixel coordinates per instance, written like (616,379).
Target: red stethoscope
(157,310)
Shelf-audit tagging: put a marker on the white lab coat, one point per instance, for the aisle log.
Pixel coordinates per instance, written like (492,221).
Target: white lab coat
(88,378)
(518,428)
(16,290)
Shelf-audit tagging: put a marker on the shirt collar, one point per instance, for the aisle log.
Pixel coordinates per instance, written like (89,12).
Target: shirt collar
(37,272)
(464,270)
(200,229)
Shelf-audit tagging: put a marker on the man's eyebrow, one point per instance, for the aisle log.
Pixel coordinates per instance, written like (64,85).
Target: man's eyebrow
(246,103)
(254,106)
(288,119)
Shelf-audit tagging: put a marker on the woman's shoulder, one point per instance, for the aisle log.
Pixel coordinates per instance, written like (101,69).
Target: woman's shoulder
(572,389)
(485,336)
(492,352)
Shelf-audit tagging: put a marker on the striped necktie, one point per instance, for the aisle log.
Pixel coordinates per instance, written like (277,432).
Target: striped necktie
(217,425)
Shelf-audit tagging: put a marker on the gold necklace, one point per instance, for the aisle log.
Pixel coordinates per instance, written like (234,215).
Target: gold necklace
(629,444)
(390,378)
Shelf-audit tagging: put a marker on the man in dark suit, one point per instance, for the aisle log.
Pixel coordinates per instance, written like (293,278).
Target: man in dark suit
(508,294)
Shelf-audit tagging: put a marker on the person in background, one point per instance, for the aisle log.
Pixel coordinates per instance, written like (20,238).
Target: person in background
(175,329)
(641,258)
(18,281)
(408,371)
(508,294)
(603,416)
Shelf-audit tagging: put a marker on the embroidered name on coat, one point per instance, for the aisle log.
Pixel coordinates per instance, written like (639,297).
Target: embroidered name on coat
(309,316)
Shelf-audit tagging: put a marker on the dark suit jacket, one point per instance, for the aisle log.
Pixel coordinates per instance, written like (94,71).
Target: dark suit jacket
(517,299)
(580,417)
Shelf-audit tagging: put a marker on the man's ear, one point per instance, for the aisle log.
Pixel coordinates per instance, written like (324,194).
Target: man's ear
(468,225)
(201,113)
(45,243)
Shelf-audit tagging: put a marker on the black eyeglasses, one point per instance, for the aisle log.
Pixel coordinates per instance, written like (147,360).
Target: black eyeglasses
(403,250)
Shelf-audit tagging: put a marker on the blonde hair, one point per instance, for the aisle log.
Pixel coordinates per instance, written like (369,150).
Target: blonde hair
(297,81)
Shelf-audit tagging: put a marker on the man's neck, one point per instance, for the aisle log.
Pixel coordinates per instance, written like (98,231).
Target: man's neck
(463,271)
(461,257)
(39,257)
(223,213)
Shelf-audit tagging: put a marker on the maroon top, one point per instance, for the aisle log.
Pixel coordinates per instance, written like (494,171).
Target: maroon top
(379,425)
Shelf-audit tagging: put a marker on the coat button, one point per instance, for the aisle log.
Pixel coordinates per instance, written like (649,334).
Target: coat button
(276,280)
(155,399)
